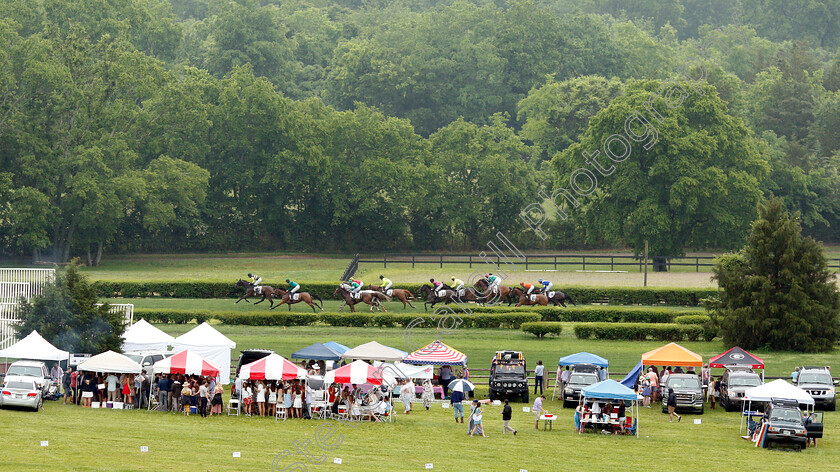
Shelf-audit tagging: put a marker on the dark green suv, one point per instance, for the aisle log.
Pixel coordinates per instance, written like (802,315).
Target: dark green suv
(785,425)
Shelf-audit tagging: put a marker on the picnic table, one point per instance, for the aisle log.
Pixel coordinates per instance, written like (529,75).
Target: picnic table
(599,422)
(547,421)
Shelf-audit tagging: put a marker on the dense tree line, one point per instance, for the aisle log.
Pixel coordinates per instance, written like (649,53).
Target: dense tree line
(155,125)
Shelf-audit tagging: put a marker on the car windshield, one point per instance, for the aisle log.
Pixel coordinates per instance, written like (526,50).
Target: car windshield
(744,381)
(24,371)
(21,385)
(820,378)
(586,379)
(510,369)
(684,382)
(786,414)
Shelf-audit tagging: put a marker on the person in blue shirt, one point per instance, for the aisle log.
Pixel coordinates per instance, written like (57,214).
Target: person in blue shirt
(457,407)
(546,286)
(794,375)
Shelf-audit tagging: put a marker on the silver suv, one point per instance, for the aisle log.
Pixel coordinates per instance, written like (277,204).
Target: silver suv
(689,392)
(818,383)
(735,381)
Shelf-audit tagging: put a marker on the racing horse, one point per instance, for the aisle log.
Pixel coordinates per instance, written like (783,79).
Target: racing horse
(470,295)
(305,297)
(403,295)
(266,291)
(483,286)
(372,298)
(559,298)
(445,295)
(525,299)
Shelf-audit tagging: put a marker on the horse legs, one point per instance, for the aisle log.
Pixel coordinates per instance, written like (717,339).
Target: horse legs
(263,299)
(243,297)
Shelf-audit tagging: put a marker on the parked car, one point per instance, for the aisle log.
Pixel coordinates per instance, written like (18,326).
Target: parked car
(818,383)
(251,355)
(689,392)
(148,359)
(508,376)
(34,370)
(19,391)
(785,425)
(582,375)
(736,380)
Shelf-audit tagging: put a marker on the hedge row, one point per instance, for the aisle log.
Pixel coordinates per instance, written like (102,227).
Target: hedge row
(692,319)
(581,295)
(606,314)
(642,331)
(543,328)
(358,319)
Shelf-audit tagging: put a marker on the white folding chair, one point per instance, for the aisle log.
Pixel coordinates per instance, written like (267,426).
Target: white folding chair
(280,411)
(233,406)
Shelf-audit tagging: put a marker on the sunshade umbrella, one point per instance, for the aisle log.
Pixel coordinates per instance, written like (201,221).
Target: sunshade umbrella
(272,367)
(187,363)
(461,385)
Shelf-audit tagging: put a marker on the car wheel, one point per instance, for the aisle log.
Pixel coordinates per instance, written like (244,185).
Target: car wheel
(566,404)
(525,397)
(831,406)
(701,410)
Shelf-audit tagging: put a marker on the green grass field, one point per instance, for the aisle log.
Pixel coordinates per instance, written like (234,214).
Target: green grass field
(105,440)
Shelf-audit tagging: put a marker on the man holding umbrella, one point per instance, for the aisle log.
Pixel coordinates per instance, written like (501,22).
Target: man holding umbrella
(459,388)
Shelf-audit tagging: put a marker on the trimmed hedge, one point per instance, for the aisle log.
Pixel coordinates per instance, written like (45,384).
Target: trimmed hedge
(692,319)
(581,295)
(358,319)
(543,328)
(606,314)
(639,331)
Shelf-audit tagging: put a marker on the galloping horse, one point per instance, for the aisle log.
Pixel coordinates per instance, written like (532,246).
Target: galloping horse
(445,295)
(401,294)
(305,297)
(470,295)
(266,291)
(525,299)
(504,291)
(559,298)
(372,298)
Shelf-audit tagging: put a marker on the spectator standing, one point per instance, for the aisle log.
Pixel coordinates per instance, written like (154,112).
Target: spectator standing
(646,392)
(186,392)
(539,372)
(578,415)
(88,387)
(564,379)
(175,393)
(428,394)
(216,403)
(456,400)
(705,377)
(602,374)
(476,421)
(66,380)
(407,394)
(445,377)
(112,381)
(506,415)
(672,406)
(203,397)
(473,407)
(537,410)
(138,387)
(715,391)
(653,378)
(163,392)
(795,374)
(622,414)
(261,398)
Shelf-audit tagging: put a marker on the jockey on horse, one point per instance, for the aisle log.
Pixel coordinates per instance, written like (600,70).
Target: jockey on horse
(386,283)
(293,288)
(255,283)
(545,286)
(403,295)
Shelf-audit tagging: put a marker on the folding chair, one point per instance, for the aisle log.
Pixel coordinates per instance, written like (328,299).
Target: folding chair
(318,406)
(631,430)
(280,411)
(233,406)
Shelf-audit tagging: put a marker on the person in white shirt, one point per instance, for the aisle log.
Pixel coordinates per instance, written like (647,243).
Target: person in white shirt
(407,394)
(112,380)
(564,378)
(539,371)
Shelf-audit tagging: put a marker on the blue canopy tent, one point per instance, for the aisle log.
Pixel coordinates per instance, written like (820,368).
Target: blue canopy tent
(630,380)
(584,358)
(611,390)
(317,352)
(339,348)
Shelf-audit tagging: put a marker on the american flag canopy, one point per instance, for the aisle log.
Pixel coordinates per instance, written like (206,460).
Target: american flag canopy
(436,353)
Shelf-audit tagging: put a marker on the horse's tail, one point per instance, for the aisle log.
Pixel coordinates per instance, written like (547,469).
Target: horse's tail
(570,299)
(410,295)
(315,296)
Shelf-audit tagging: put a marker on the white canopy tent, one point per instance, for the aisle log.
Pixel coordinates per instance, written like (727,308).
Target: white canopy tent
(143,337)
(34,347)
(207,342)
(778,389)
(373,351)
(111,362)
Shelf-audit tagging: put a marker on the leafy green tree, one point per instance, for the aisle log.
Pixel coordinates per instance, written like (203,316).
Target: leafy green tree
(66,315)
(556,113)
(817,21)
(777,292)
(687,175)
(827,124)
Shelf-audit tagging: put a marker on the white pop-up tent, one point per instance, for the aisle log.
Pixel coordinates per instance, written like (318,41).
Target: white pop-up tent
(34,347)
(142,336)
(207,342)
(778,389)
(373,351)
(111,362)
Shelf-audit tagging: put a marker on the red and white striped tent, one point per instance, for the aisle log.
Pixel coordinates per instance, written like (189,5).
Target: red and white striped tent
(272,367)
(436,353)
(187,363)
(359,372)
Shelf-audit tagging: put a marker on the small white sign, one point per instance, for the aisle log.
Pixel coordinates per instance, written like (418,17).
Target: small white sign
(430,466)
(523,470)
(697,421)
(45,443)
(144,448)
(237,454)
(337,460)
(526,409)
(445,405)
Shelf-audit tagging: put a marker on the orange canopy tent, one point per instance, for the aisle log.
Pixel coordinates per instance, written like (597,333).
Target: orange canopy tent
(672,354)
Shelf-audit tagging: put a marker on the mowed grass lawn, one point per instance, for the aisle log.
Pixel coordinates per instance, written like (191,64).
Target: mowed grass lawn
(106,440)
